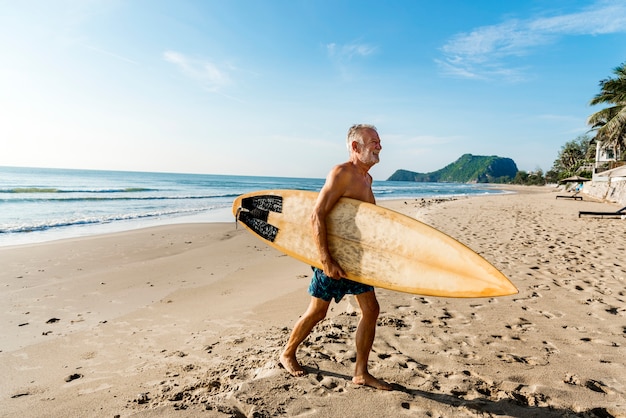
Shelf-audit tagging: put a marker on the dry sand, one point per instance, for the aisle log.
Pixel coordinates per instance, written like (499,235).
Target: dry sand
(188,320)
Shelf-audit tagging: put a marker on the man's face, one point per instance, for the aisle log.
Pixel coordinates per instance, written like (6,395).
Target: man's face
(368,152)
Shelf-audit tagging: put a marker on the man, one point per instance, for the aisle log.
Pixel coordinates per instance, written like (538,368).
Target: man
(350,179)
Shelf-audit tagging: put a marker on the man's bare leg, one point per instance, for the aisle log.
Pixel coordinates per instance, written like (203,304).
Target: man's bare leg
(365,333)
(315,313)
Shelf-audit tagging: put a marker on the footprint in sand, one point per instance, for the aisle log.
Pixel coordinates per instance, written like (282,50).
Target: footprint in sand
(613,310)
(512,358)
(533,295)
(330,383)
(550,348)
(73,377)
(600,342)
(598,386)
(392,321)
(522,324)
(545,314)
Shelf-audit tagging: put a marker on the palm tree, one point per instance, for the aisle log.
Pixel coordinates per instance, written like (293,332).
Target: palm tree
(610,123)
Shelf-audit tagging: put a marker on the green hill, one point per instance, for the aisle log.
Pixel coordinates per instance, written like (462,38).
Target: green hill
(467,169)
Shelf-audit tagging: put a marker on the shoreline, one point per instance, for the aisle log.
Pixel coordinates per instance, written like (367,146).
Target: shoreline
(188,320)
(222,214)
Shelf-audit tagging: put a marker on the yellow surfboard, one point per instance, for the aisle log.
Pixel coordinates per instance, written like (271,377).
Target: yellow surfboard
(373,245)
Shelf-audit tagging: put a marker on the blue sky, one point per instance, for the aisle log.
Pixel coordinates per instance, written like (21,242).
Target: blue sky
(271,87)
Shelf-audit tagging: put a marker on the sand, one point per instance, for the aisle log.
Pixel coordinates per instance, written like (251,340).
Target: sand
(188,320)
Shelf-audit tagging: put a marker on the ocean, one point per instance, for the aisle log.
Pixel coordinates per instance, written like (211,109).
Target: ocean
(42,204)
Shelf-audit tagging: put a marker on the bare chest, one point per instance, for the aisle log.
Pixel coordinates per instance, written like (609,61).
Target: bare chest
(361,190)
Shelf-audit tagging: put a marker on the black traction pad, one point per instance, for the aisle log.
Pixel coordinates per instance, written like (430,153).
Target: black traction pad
(259,226)
(265,202)
(255,211)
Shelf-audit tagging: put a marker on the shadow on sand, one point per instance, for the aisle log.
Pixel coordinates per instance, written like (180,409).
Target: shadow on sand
(509,407)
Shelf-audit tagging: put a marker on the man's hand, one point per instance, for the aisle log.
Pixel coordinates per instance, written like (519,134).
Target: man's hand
(333,270)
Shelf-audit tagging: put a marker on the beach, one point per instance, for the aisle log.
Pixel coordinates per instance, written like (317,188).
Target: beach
(188,320)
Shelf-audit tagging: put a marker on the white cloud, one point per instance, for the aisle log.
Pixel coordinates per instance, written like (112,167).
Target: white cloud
(481,52)
(604,17)
(208,74)
(348,51)
(342,56)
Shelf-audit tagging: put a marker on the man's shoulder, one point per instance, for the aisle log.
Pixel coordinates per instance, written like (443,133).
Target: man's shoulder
(345,180)
(345,169)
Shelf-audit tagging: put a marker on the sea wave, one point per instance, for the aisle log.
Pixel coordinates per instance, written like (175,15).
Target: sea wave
(62,199)
(92,220)
(38,190)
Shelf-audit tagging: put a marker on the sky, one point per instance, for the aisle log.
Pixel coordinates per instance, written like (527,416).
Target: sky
(270,88)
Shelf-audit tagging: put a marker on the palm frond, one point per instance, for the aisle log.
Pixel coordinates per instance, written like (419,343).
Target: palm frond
(610,123)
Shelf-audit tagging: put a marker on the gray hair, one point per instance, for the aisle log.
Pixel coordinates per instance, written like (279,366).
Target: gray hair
(355,134)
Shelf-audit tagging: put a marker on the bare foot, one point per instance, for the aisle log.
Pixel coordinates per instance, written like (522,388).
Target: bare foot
(290,363)
(369,380)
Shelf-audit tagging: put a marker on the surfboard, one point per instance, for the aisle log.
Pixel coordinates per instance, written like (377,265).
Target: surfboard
(374,245)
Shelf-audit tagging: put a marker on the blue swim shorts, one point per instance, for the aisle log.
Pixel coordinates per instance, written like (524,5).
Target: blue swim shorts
(325,288)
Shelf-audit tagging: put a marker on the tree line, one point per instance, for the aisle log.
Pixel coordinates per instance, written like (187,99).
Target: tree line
(577,157)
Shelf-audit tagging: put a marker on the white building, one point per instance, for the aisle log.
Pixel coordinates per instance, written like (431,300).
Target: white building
(609,174)
(608,157)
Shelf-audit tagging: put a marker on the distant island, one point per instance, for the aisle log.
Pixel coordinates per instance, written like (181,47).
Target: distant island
(467,169)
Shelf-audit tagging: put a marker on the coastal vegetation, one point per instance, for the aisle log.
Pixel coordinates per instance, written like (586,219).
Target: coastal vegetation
(575,158)
(610,122)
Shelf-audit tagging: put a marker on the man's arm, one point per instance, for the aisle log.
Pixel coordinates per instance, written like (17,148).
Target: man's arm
(335,187)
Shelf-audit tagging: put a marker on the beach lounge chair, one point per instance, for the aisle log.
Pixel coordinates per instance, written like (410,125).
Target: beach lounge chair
(574,196)
(621,212)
